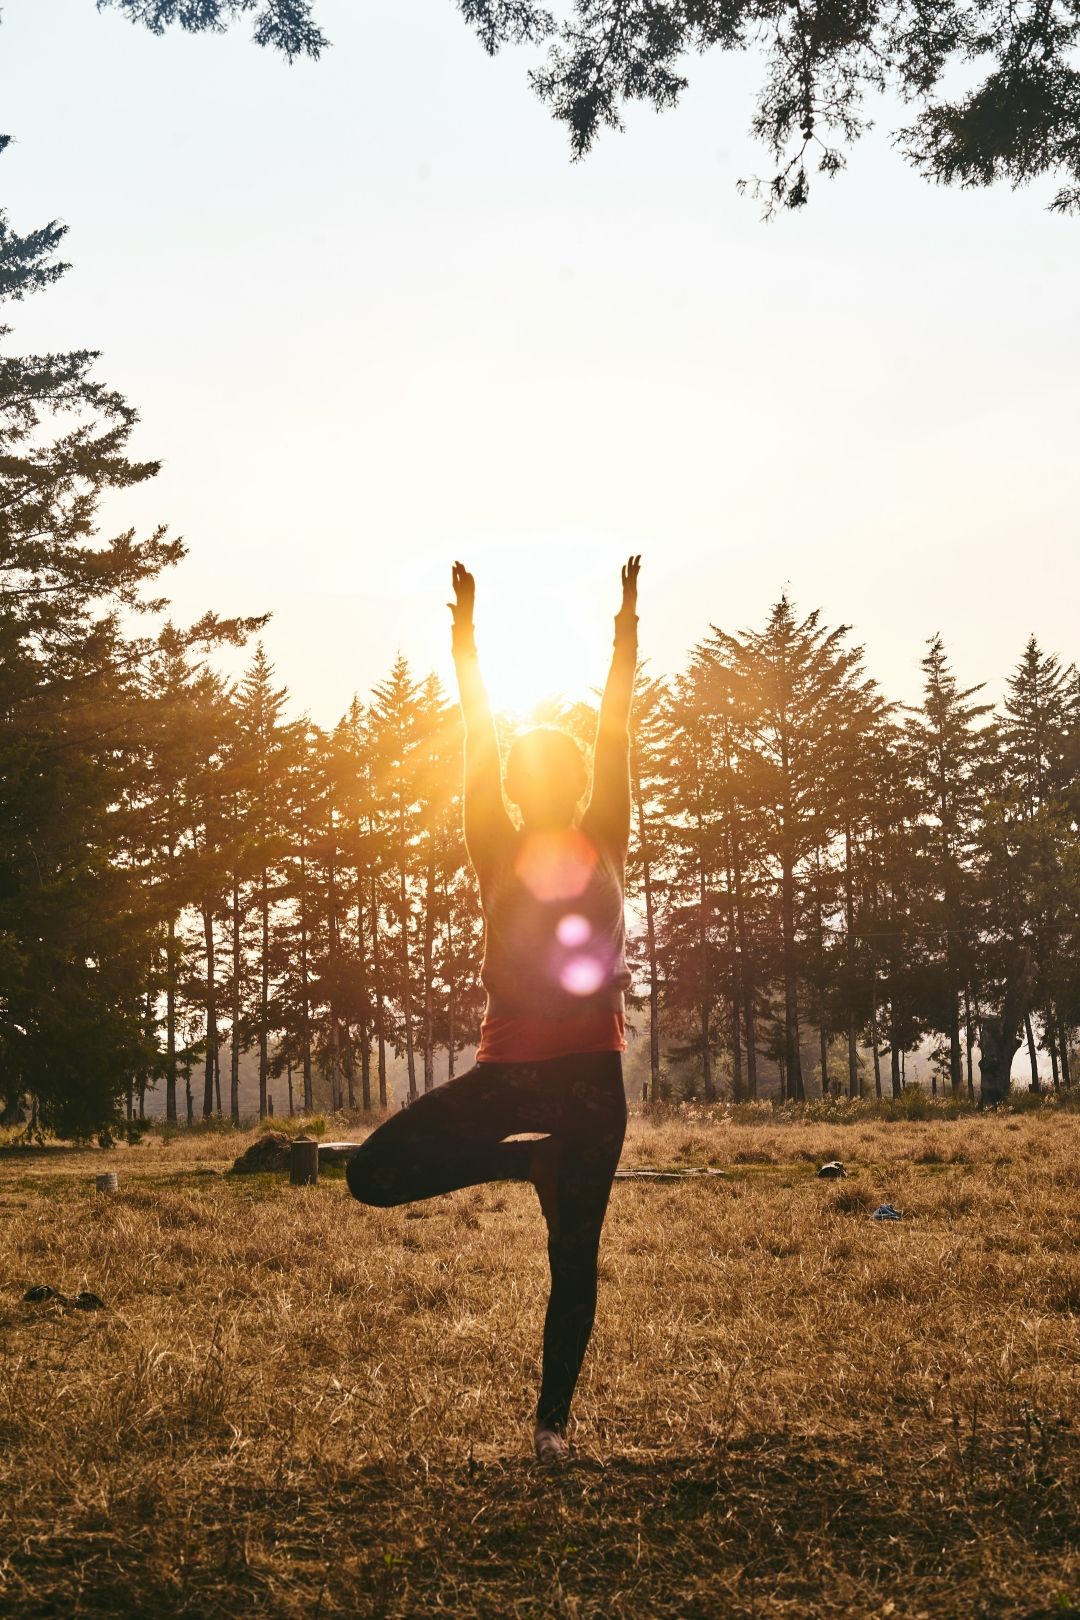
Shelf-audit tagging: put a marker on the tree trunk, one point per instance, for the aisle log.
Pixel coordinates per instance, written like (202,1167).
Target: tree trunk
(1000,1037)
(877,1048)
(956,1073)
(854,1084)
(751,1042)
(335,1063)
(854,1080)
(406,967)
(332,953)
(823,1029)
(451,982)
(428,952)
(746,979)
(365,1074)
(264,993)
(999,1044)
(1033,1053)
(365,1026)
(234,1045)
(211,1012)
(1066,1079)
(650,949)
(736,988)
(170,1024)
(792,1056)
(736,1036)
(380,1006)
(706,985)
(305,993)
(148,1031)
(349,1064)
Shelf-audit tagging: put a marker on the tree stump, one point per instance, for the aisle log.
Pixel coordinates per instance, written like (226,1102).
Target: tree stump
(303,1162)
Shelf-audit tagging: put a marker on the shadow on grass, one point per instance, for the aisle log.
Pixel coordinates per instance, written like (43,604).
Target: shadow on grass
(768,1525)
(46,1150)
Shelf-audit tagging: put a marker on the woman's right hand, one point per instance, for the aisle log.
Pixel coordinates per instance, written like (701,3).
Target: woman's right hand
(630,571)
(465,592)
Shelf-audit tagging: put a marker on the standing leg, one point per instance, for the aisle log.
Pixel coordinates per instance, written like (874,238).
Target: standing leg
(589,1145)
(447,1139)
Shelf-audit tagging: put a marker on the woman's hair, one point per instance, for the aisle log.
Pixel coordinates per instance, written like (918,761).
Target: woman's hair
(549,762)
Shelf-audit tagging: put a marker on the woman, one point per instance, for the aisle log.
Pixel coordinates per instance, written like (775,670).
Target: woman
(555,972)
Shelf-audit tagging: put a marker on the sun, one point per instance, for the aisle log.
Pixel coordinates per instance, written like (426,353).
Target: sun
(539,644)
(527,680)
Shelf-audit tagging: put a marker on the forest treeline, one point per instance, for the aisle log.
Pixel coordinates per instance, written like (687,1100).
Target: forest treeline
(188,872)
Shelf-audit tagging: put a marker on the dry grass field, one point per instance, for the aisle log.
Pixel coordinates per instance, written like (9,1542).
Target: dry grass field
(295,1406)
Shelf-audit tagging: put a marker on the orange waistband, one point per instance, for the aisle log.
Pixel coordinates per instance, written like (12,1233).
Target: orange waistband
(534,1040)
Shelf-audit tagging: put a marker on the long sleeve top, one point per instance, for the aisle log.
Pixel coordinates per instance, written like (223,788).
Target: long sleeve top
(554,942)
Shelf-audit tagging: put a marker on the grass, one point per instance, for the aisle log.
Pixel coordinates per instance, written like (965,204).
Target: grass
(295,1406)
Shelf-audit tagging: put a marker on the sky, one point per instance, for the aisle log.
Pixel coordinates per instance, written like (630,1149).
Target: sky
(374,319)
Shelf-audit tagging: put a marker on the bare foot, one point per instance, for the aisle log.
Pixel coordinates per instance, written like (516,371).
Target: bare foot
(551,1446)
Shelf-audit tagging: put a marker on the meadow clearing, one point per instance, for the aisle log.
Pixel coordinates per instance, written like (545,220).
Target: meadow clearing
(292,1405)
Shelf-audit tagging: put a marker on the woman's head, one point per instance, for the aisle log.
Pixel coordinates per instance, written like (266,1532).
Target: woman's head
(545,777)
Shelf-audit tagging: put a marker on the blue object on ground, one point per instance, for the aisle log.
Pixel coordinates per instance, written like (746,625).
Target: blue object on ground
(886,1212)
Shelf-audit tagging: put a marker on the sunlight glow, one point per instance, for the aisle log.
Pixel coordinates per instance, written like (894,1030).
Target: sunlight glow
(556,865)
(573,930)
(538,641)
(582,976)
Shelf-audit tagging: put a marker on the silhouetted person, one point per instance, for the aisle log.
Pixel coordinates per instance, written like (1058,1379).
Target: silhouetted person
(555,972)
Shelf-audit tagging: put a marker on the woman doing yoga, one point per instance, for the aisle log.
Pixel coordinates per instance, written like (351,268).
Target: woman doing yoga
(555,973)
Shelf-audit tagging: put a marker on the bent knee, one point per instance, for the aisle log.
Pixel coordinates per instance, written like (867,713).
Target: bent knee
(371,1180)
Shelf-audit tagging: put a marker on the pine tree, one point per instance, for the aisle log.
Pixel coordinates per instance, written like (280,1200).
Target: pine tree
(691,943)
(894,940)
(801,701)
(396,711)
(260,711)
(648,732)
(301,926)
(76,935)
(948,745)
(1034,742)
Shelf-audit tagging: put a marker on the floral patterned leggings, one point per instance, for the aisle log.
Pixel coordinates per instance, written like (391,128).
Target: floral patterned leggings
(453,1137)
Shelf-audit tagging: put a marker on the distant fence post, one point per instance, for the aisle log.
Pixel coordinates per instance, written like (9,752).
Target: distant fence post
(303,1162)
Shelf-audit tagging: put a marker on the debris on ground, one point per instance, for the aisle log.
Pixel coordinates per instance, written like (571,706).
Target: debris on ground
(886,1212)
(270,1151)
(664,1175)
(84,1301)
(831,1171)
(337,1152)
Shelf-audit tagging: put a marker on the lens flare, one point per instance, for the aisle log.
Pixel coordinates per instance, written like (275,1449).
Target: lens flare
(556,865)
(573,930)
(582,976)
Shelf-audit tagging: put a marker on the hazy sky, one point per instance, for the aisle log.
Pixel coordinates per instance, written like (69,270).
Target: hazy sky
(374,319)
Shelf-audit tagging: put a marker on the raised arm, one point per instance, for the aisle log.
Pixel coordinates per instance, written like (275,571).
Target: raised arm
(487,825)
(607,818)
